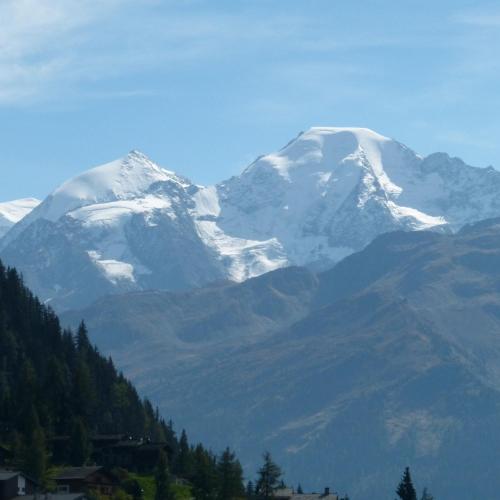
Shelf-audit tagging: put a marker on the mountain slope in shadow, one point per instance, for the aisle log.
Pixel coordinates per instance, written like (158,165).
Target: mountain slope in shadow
(390,358)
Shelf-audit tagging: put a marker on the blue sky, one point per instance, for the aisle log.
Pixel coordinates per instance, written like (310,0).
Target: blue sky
(205,86)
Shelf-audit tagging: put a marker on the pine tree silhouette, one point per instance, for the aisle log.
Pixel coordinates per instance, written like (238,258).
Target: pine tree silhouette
(406,490)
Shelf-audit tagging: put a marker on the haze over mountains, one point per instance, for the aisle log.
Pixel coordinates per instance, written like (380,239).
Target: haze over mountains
(131,225)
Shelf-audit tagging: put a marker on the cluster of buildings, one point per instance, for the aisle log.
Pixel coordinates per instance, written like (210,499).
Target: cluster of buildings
(71,484)
(115,450)
(291,494)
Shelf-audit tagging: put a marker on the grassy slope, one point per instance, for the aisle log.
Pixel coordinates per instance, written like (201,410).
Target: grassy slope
(147,483)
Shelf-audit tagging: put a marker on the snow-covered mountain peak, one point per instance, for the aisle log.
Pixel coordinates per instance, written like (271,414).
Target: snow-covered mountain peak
(323,151)
(333,189)
(110,192)
(127,178)
(15,210)
(124,225)
(12,212)
(323,164)
(361,134)
(342,138)
(121,179)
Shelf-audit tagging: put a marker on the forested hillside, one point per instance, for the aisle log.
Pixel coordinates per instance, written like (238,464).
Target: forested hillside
(54,383)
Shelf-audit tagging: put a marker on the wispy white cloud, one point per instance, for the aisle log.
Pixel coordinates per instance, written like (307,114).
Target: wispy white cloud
(37,38)
(50,48)
(488,18)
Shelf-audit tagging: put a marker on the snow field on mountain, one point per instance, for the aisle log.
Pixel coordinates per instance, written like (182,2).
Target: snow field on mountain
(12,212)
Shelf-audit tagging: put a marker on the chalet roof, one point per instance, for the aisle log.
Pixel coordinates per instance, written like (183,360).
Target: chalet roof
(95,437)
(153,446)
(77,472)
(129,443)
(140,445)
(308,496)
(53,496)
(313,496)
(106,437)
(289,494)
(7,474)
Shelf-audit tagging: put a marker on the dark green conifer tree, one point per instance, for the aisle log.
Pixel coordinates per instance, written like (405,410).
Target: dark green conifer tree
(406,490)
(27,389)
(58,395)
(35,457)
(16,443)
(230,477)
(80,447)
(162,479)
(82,340)
(5,390)
(250,490)
(269,477)
(184,462)
(204,477)
(299,490)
